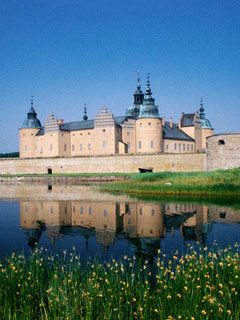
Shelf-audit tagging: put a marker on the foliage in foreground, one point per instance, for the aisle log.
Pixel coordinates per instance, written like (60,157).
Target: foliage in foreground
(203,285)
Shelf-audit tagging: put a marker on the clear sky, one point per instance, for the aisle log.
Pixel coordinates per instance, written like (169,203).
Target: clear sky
(69,52)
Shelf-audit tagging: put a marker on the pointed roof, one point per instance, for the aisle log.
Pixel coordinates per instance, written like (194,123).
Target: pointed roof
(148,109)
(31,121)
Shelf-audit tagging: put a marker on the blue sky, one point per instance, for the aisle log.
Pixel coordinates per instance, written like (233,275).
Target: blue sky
(66,53)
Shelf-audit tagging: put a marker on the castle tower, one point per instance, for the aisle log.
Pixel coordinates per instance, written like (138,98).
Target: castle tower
(27,133)
(149,138)
(138,96)
(207,129)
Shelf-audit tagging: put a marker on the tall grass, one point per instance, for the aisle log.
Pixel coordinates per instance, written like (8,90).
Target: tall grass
(215,183)
(198,285)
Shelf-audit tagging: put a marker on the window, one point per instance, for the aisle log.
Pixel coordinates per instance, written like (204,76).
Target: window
(184,147)
(128,133)
(128,144)
(187,147)
(73,147)
(89,133)
(80,147)
(149,123)
(166,146)
(89,210)
(179,146)
(26,148)
(192,147)
(65,147)
(151,144)
(89,146)
(104,130)
(175,146)
(105,212)
(152,212)
(50,147)
(81,210)
(139,144)
(221,142)
(104,144)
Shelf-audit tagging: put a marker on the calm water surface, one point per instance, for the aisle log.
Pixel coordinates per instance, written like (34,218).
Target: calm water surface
(104,225)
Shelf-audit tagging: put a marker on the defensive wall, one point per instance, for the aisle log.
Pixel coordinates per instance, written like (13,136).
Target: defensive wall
(109,164)
(223,151)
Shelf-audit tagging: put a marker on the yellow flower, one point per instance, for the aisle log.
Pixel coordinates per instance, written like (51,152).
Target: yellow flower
(204,312)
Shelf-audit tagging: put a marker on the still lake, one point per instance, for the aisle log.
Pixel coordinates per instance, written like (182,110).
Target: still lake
(60,217)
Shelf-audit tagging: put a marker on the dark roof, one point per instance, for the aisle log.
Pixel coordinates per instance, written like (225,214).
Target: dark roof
(187,119)
(41,131)
(121,119)
(77,125)
(175,133)
(81,125)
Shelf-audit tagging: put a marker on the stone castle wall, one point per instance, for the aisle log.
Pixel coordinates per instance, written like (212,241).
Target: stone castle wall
(223,151)
(108,164)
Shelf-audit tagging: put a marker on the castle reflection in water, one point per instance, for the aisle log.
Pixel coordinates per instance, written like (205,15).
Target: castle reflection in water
(139,222)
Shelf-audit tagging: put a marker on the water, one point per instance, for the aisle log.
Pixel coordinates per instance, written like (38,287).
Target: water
(103,225)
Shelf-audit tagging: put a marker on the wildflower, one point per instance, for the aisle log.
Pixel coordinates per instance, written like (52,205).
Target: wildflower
(169,297)
(204,312)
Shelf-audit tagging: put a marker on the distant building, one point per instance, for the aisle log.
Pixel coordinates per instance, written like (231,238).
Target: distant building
(140,130)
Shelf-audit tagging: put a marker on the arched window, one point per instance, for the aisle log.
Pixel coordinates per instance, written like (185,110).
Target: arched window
(221,142)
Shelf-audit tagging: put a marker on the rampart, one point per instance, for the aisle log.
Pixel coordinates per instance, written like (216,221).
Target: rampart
(107,164)
(223,151)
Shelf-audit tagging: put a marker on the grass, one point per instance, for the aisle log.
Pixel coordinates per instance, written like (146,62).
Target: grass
(198,285)
(216,183)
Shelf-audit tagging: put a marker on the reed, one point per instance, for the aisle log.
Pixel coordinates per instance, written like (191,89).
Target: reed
(201,284)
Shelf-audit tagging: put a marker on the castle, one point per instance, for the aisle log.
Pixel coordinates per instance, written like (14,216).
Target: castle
(140,131)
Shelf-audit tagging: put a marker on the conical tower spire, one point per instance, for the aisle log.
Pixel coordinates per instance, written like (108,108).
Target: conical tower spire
(201,110)
(31,121)
(148,89)
(85,117)
(138,83)
(148,109)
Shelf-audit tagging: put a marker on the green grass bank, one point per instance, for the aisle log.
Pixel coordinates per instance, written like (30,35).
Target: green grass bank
(216,183)
(198,285)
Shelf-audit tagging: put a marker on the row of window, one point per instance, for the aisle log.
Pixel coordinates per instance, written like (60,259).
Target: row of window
(140,144)
(181,147)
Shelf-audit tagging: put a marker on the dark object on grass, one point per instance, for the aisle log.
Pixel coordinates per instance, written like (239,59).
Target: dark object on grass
(146,169)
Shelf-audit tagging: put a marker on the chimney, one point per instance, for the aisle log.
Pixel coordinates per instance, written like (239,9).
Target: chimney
(171,122)
(60,122)
(180,120)
(163,121)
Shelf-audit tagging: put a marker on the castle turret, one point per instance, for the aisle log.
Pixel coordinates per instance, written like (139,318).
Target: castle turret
(149,125)
(27,133)
(138,96)
(207,129)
